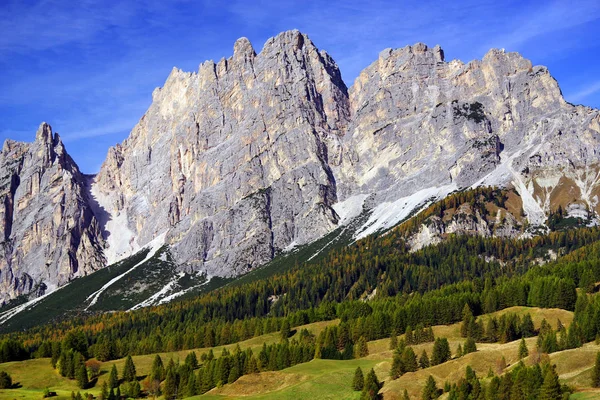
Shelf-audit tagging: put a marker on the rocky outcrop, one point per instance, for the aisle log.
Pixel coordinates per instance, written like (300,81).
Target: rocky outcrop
(48,233)
(466,220)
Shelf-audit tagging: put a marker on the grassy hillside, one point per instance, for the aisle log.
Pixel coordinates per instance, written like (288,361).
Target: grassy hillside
(330,379)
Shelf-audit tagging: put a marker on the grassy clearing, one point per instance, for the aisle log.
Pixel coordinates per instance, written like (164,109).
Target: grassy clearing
(330,379)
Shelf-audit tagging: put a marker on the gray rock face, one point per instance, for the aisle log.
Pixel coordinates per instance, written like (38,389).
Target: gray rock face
(259,152)
(48,233)
(233,160)
(418,121)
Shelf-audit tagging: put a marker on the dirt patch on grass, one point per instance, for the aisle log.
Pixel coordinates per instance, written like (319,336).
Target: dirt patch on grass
(256,384)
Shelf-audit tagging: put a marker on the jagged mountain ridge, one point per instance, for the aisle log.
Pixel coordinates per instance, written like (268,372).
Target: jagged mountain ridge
(48,231)
(260,152)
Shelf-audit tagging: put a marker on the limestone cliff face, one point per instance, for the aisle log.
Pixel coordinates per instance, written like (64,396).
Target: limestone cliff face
(419,121)
(259,152)
(233,160)
(48,234)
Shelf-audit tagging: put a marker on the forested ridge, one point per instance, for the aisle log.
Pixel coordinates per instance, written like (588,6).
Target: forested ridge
(376,287)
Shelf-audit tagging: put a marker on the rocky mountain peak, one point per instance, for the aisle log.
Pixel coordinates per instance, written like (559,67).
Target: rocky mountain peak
(44,133)
(257,153)
(243,50)
(48,232)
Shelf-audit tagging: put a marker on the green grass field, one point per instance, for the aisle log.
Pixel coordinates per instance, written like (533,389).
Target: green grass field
(330,379)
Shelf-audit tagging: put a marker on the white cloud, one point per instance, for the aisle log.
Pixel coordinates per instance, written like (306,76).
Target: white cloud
(584,92)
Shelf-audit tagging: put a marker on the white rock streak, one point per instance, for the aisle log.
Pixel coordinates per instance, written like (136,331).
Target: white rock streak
(388,214)
(154,246)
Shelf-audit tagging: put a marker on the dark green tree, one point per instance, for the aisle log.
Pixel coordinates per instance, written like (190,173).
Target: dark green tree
(129,372)
(158,369)
(596,372)
(397,367)
(104,391)
(361,348)
(171,384)
(470,346)
(5,380)
(285,330)
(441,351)
(358,382)
(550,389)
(192,360)
(424,360)
(82,377)
(409,360)
(113,378)
(523,351)
(430,391)
(372,386)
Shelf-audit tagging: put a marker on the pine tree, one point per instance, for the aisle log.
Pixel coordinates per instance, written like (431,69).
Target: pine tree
(104,392)
(424,360)
(467,321)
(361,348)
(459,351)
(158,369)
(393,340)
(5,380)
(470,346)
(408,335)
(523,351)
(82,377)
(409,360)
(118,393)
(397,366)
(192,386)
(111,394)
(234,374)
(372,386)
(430,391)
(192,360)
(113,378)
(285,330)
(441,351)
(596,372)
(550,389)
(171,384)
(358,382)
(129,372)
(405,396)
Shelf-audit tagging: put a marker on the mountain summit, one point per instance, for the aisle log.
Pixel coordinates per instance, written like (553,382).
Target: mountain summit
(255,154)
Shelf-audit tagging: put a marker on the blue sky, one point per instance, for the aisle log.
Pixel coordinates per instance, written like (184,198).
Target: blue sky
(89,67)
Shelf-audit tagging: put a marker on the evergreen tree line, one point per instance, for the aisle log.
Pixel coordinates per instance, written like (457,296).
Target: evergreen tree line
(422,286)
(521,383)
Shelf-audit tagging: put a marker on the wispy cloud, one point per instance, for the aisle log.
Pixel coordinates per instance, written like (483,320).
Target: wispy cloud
(585,92)
(544,18)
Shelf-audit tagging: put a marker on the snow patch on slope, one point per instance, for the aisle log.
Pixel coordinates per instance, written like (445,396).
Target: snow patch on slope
(505,172)
(162,292)
(154,246)
(120,239)
(388,214)
(6,315)
(350,208)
